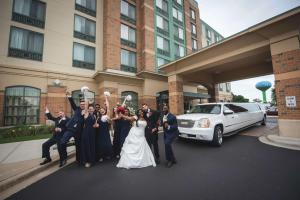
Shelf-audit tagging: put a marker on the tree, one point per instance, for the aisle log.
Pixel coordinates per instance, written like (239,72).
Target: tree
(273,96)
(239,98)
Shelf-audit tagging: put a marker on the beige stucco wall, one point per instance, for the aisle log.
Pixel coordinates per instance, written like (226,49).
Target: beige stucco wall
(58,38)
(151,87)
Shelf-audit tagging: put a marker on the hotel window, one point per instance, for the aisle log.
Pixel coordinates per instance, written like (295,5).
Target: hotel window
(128,12)
(177,15)
(221,87)
(179,51)
(134,103)
(178,33)
(22,105)
(194,31)
(208,33)
(193,15)
(84,29)
(161,61)
(83,56)
(31,12)
(128,36)
(163,46)
(194,44)
(86,6)
(128,61)
(227,87)
(162,25)
(77,93)
(208,42)
(162,7)
(26,44)
(178,2)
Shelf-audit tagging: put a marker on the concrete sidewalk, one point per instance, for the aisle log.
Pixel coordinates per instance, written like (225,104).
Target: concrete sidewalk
(20,160)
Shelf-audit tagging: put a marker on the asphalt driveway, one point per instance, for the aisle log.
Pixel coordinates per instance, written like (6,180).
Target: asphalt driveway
(243,168)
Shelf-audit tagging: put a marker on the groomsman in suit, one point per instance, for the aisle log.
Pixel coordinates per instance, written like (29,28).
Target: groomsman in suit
(171,132)
(74,128)
(60,127)
(151,131)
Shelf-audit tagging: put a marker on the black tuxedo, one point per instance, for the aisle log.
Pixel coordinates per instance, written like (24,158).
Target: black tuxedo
(152,118)
(57,135)
(170,134)
(74,128)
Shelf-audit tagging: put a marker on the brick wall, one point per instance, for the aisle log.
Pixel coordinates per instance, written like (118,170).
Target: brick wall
(176,97)
(1,108)
(286,67)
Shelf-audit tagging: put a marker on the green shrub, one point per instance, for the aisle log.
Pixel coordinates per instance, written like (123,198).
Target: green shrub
(26,130)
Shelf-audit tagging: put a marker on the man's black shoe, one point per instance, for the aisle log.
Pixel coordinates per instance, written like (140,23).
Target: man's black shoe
(62,163)
(157,161)
(47,160)
(169,164)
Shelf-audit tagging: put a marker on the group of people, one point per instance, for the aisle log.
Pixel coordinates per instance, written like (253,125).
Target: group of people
(134,136)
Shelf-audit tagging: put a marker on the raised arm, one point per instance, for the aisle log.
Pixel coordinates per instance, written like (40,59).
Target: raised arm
(133,118)
(71,100)
(107,106)
(86,109)
(49,116)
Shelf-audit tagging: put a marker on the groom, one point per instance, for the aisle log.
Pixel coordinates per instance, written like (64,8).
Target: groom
(151,131)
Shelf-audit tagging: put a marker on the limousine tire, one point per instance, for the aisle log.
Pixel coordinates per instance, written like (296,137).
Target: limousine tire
(263,122)
(218,136)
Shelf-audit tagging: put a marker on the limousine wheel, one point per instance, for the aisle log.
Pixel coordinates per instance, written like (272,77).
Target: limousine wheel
(218,136)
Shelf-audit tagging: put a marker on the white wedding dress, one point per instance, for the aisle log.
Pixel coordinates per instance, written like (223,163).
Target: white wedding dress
(136,152)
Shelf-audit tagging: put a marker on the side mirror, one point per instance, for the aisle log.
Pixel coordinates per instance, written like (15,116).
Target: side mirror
(228,112)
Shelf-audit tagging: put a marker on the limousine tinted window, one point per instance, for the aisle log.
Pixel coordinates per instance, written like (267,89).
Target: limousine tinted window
(251,107)
(207,109)
(235,108)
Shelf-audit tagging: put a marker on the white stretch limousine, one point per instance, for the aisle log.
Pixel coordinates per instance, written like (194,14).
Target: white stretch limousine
(212,121)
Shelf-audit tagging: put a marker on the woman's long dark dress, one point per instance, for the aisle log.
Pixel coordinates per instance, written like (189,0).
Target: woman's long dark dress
(104,141)
(87,150)
(124,130)
(117,141)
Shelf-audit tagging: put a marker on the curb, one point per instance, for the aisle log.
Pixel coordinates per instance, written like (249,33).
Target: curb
(12,181)
(279,141)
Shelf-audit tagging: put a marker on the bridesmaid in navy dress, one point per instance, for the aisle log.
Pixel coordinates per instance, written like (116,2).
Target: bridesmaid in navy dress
(125,127)
(87,151)
(116,127)
(104,142)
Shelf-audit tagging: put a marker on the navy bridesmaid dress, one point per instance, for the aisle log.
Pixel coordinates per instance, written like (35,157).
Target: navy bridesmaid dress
(87,150)
(125,128)
(117,141)
(104,142)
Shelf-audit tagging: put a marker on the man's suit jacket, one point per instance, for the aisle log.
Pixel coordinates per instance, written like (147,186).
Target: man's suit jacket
(152,120)
(59,123)
(172,132)
(76,122)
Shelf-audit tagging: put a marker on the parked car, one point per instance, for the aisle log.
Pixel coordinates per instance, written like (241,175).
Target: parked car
(212,121)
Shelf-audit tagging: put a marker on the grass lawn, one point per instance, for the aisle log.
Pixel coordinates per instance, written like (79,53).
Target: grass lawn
(24,138)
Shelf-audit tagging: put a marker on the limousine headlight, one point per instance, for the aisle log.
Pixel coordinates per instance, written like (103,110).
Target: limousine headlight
(203,123)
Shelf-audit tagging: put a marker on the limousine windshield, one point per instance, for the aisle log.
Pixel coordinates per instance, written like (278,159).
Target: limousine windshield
(207,109)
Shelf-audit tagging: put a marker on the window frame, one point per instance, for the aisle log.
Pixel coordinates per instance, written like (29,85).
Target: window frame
(125,67)
(23,96)
(84,36)
(127,17)
(128,42)
(83,64)
(133,95)
(86,10)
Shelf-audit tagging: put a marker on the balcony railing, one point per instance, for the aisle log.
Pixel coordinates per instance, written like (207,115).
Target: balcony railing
(178,39)
(25,54)
(127,68)
(177,21)
(128,43)
(163,12)
(27,20)
(163,52)
(162,31)
(85,10)
(126,18)
(82,64)
(84,36)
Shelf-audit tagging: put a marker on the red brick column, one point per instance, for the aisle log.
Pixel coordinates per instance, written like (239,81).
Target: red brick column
(213,91)
(286,66)
(176,94)
(149,100)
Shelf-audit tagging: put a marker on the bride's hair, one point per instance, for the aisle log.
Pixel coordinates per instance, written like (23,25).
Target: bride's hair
(139,115)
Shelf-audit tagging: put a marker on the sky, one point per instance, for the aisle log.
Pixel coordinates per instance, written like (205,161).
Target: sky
(232,16)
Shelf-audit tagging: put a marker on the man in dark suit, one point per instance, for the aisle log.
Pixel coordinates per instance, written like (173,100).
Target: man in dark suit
(151,131)
(60,127)
(74,128)
(171,132)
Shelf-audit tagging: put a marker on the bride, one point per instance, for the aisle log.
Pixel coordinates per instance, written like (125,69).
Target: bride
(136,152)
